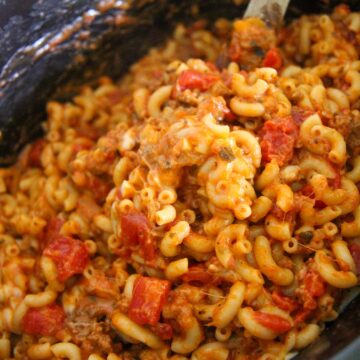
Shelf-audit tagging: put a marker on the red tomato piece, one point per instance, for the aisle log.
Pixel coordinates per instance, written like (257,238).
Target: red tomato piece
(163,330)
(69,255)
(35,153)
(278,138)
(193,79)
(355,253)
(197,273)
(273,322)
(229,115)
(136,231)
(273,59)
(319,204)
(148,298)
(314,284)
(284,302)
(302,315)
(135,227)
(52,230)
(44,321)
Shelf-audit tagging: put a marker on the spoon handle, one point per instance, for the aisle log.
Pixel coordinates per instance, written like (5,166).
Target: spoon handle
(271,11)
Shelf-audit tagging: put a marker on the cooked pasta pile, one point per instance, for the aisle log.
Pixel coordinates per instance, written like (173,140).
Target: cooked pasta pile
(207,205)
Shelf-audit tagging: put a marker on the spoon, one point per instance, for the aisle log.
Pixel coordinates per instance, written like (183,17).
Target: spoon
(270,11)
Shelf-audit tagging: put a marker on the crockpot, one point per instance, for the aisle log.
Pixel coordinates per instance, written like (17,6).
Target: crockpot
(49,48)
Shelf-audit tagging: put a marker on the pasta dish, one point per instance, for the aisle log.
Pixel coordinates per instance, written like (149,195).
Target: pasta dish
(204,207)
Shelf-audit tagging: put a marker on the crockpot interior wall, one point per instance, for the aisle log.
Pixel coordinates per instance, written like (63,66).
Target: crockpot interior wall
(50,47)
(60,45)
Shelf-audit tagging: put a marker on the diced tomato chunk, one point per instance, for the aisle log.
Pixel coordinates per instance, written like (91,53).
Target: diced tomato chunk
(69,255)
(284,302)
(52,230)
(229,115)
(312,287)
(35,153)
(136,231)
(355,253)
(314,284)
(148,298)
(273,322)
(197,273)
(319,204)
(163,330)
(193,79)
(43,321)
(302,315)
(135,227)
(278,138)
(273,59)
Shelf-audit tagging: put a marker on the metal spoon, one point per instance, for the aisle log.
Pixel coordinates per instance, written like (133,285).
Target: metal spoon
(270,11)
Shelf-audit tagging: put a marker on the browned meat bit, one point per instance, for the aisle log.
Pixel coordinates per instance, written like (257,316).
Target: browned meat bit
(90,327)
(341,121)
(353,140)
(187,97)
(179,311)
